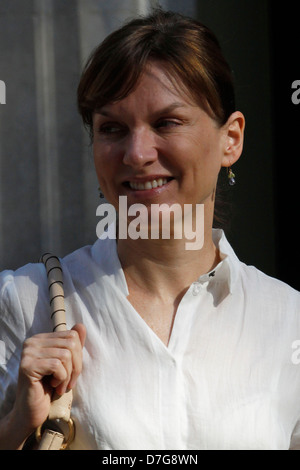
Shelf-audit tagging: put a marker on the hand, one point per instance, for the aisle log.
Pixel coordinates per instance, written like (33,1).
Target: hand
(49,361)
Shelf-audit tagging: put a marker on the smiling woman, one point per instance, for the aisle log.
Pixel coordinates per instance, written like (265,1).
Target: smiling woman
(185,349)
(192,61)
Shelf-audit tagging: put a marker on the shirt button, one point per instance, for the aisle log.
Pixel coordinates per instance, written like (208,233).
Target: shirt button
(196,287)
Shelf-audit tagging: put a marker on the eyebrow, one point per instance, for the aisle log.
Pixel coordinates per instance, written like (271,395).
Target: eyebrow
(168,109)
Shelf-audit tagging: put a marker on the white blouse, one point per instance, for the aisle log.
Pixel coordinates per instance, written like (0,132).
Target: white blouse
(229,378)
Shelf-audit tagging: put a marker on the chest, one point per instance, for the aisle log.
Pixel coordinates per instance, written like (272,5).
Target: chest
(157,314)
(220,383)
(141,400)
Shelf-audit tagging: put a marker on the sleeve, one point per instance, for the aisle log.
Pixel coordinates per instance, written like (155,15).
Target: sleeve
(12,336)
(24,312)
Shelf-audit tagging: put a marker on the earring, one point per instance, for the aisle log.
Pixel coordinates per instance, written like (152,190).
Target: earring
(101,195)
(231,177)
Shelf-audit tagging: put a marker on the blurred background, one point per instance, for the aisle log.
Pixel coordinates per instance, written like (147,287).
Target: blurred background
(48,189)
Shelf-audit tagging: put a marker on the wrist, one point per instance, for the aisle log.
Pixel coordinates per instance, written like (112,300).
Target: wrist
(13,432)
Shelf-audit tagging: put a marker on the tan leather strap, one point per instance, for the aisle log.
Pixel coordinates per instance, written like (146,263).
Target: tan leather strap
(51,440)
(60,408)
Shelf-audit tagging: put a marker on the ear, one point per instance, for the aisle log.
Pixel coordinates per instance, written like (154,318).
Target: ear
(233,138)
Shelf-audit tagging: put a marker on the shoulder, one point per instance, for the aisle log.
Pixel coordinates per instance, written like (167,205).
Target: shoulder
(268,290)
(102,253)
(26,287)
(32,276)
(253,285)
(26,280)
(21,292)
(24,294)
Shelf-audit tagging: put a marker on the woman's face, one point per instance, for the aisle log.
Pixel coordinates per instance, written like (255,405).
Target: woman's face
(157,146)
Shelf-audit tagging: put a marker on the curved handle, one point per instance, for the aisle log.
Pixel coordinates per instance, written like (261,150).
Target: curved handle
(56,291)
(60,408)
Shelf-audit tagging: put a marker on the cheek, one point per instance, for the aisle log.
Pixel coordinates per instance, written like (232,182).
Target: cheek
(103,160)
(203,165)
(204,156)
(210,151)
(106,166)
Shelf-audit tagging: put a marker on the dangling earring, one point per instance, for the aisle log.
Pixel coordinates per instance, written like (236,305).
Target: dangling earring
(101,195)
(231,177)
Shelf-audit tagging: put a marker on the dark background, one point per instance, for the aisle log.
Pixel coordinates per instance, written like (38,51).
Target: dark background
(285,27)
(261,42)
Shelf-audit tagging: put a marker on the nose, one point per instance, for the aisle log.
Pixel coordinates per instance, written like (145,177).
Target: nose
(140,149)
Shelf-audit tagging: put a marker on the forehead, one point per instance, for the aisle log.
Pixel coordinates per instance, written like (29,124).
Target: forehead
(156,86)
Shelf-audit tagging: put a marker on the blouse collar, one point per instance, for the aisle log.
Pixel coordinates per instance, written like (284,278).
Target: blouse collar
(104,253)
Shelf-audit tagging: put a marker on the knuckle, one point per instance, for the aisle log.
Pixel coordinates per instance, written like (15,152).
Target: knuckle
(29,348)
(25,364)
(72,334)
(28,343)
(55,364)
(72,345)
(65,355)
(33,342)
(72,340)
(57,369)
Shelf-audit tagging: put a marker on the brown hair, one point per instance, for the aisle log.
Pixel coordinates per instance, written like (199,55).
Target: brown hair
(188,50)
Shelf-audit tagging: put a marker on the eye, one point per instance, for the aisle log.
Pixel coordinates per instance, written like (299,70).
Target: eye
(111,128)
(167,124)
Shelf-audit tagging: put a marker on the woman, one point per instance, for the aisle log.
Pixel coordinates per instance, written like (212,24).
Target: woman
(182,348)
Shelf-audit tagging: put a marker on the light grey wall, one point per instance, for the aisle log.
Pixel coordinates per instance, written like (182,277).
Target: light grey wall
(48,189)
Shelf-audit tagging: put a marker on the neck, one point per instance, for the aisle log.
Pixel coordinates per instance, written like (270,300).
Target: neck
(165,267)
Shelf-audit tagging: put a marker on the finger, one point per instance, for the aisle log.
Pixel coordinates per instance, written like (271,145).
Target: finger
(81,330)
(68,339)
(69,351)
(65,346)
(65,357)
(37,368)
(78,327)
(72,341)
(65,349)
